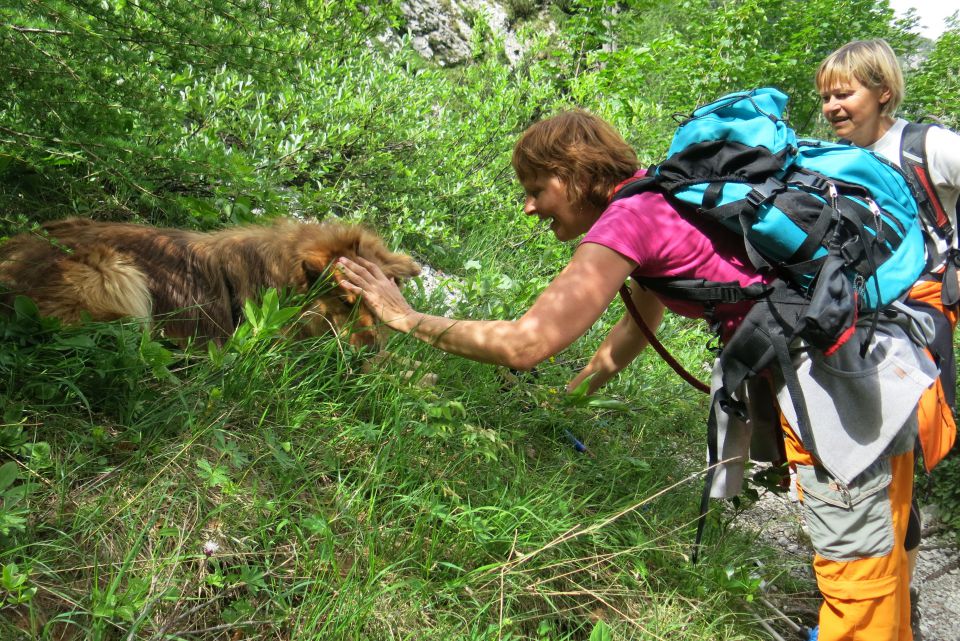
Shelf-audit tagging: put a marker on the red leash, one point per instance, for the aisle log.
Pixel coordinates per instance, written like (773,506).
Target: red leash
(657,345)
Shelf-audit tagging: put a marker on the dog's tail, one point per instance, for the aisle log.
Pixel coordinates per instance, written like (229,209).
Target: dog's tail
(96,280)
(105,283)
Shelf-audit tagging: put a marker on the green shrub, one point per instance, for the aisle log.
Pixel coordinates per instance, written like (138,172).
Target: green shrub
(941,489)
(518,10)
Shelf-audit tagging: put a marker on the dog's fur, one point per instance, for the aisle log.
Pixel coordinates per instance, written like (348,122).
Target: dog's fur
(194,283)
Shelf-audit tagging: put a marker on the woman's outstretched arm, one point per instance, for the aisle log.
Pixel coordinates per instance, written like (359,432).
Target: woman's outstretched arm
(565,310)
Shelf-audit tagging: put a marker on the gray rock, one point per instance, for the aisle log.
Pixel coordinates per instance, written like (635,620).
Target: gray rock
(929,514)
(442,30)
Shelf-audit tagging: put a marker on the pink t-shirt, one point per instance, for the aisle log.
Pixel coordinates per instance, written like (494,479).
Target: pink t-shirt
(646,229)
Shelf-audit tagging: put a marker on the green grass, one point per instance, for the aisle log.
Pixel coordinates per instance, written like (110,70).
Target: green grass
(345,505)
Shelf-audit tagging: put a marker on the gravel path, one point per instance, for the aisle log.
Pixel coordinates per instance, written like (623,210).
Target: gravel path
(778,521)
(938,580)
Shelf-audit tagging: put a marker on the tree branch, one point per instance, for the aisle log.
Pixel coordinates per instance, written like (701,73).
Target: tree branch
(48,32)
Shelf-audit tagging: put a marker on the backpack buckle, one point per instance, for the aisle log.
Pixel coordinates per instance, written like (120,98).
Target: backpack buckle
(764,192)
(821,185)
(813,182)
(755,198)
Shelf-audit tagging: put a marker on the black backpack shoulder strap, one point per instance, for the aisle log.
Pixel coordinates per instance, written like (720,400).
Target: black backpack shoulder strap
(706,292)
(913,162)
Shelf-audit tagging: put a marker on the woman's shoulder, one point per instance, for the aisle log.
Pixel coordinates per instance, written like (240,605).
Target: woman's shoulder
(943,137)
(651,203)
(641,222)
(943,151)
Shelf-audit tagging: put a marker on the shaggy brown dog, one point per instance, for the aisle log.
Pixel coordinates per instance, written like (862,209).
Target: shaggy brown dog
(194,283)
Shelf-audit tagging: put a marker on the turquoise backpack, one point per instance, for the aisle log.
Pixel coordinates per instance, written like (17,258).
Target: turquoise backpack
(796,202)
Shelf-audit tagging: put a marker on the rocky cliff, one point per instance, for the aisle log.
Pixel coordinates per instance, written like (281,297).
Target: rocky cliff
(441,30)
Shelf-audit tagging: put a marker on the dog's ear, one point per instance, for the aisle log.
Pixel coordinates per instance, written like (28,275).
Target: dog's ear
(400,267)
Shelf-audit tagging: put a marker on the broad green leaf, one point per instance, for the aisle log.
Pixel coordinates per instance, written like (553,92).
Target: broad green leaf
(608,404)
(601,632)
(8,474)
(25,307)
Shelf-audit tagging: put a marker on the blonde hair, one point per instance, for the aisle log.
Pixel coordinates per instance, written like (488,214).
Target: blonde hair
(582,150)
(872,63)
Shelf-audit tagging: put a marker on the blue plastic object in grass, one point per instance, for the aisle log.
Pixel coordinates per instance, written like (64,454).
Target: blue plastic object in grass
(574,441)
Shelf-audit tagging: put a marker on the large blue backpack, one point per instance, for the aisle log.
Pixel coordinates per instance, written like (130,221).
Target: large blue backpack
(836,225)
(796,202)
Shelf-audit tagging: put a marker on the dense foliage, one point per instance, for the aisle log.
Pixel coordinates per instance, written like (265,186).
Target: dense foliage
(339,504)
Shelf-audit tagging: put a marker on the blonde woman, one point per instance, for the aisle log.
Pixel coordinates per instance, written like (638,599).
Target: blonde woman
(861,86)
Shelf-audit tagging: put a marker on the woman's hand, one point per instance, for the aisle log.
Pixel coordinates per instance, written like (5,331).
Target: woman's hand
(379,293)
(570,304)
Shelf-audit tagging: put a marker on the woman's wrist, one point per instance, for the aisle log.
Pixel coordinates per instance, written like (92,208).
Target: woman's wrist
(408,322)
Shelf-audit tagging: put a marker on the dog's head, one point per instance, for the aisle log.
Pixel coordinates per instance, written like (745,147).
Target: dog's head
(336,308)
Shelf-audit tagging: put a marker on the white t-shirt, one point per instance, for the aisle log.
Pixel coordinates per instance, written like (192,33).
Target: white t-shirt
(943,163)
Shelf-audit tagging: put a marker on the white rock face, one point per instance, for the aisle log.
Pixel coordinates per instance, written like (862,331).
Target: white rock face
(441,31)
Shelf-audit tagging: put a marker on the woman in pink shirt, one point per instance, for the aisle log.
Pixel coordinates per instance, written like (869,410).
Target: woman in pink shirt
(570,165)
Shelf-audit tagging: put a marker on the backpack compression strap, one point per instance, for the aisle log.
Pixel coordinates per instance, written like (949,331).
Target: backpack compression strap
(913,160)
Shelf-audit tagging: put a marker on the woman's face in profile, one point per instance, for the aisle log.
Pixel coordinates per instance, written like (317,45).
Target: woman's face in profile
(546,197)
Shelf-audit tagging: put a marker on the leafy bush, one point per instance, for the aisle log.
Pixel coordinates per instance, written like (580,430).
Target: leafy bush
(934,86)
(521,9)
(941,489)
(160,110)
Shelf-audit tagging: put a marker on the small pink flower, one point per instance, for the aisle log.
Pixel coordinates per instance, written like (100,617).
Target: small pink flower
(210,548)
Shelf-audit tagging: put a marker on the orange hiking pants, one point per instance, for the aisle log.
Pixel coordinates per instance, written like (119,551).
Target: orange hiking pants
(860,563)
(937,427)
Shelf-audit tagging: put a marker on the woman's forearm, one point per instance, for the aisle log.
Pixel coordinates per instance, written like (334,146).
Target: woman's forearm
(566,309)
(488,341)
(622,345)
(618,350)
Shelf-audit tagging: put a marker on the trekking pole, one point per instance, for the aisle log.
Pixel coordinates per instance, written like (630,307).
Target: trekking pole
(804,633)
(769,628)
